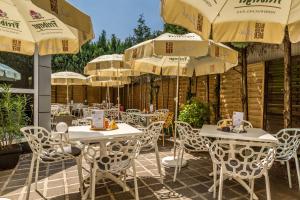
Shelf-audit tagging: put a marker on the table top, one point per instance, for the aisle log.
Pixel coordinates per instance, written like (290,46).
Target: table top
(253,134)
(84,134)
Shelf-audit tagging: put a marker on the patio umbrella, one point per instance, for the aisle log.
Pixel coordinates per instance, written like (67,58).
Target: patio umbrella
(68,78)
(180,55)
(109,66)
(239,21)
(71,16)
(28,28)
(271,21)
(8,74)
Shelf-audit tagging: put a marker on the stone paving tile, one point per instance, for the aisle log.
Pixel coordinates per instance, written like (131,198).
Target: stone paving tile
(60,181)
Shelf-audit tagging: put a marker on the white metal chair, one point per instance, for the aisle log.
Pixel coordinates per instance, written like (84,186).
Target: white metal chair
(47,149)
(112,113)
(149,140)
(190,140)
(124,117)
(118,156)
(133,111)
(242,159)
(289,140)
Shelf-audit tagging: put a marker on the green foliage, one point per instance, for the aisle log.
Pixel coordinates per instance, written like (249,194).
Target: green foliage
(12,116)
(240,45)
(170,28)
(195,113)
(102,46)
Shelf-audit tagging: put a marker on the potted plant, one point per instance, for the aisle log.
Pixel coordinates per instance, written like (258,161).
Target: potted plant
(195,113)
(12,118)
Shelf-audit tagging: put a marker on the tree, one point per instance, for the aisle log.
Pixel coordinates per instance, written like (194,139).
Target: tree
(142,32)
(170,28)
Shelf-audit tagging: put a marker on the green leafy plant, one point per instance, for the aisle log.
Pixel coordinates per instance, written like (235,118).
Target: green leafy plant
(12,116)
(195,113)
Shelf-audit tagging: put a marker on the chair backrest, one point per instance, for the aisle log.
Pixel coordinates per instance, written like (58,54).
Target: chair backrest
(86,112)
(169,120)
(44,146)
(61,127)
(289,140)
(150,135)
(133,111)
(124,117)
(64,118)
(162,111)
(243,159)
(111,113)
(191,138)
(119,154)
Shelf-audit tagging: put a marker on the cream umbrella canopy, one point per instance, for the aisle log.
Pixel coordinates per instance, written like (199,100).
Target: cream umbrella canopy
(239,21)
(28,28)
(68,78)
(109,66)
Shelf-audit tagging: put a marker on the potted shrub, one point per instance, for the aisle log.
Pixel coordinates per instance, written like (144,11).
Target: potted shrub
(195,113)
(12,118)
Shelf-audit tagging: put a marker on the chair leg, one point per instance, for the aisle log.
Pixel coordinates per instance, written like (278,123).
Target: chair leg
(267,186)
(93,182)
(158,160)
(37,174)
(136,190)
(29,181)
(177,165)
(163,137)
(252,188)
(79,168)
(215,180)
(289,173)
(297,168)
(180,159)
(221,185)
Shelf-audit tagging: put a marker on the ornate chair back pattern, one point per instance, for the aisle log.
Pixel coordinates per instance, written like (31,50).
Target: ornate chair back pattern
(133,111)
(191,138)
(246,160)
(46,148)
(150,135)
(289,141)
(119,155)
(169,120)
(111,113)
(124,117)
(86,112)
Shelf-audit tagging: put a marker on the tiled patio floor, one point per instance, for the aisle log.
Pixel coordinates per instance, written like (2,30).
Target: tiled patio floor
(60,181)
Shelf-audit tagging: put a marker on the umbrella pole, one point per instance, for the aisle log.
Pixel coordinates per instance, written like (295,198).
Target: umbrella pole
(176,105)
(132,94)
(67,92)
(162,91)
(36,87)
(118,95)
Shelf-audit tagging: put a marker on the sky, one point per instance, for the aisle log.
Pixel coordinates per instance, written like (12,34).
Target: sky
(120,16)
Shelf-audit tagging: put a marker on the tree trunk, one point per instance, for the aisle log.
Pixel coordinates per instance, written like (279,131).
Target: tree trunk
(287,112)
(244,83)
